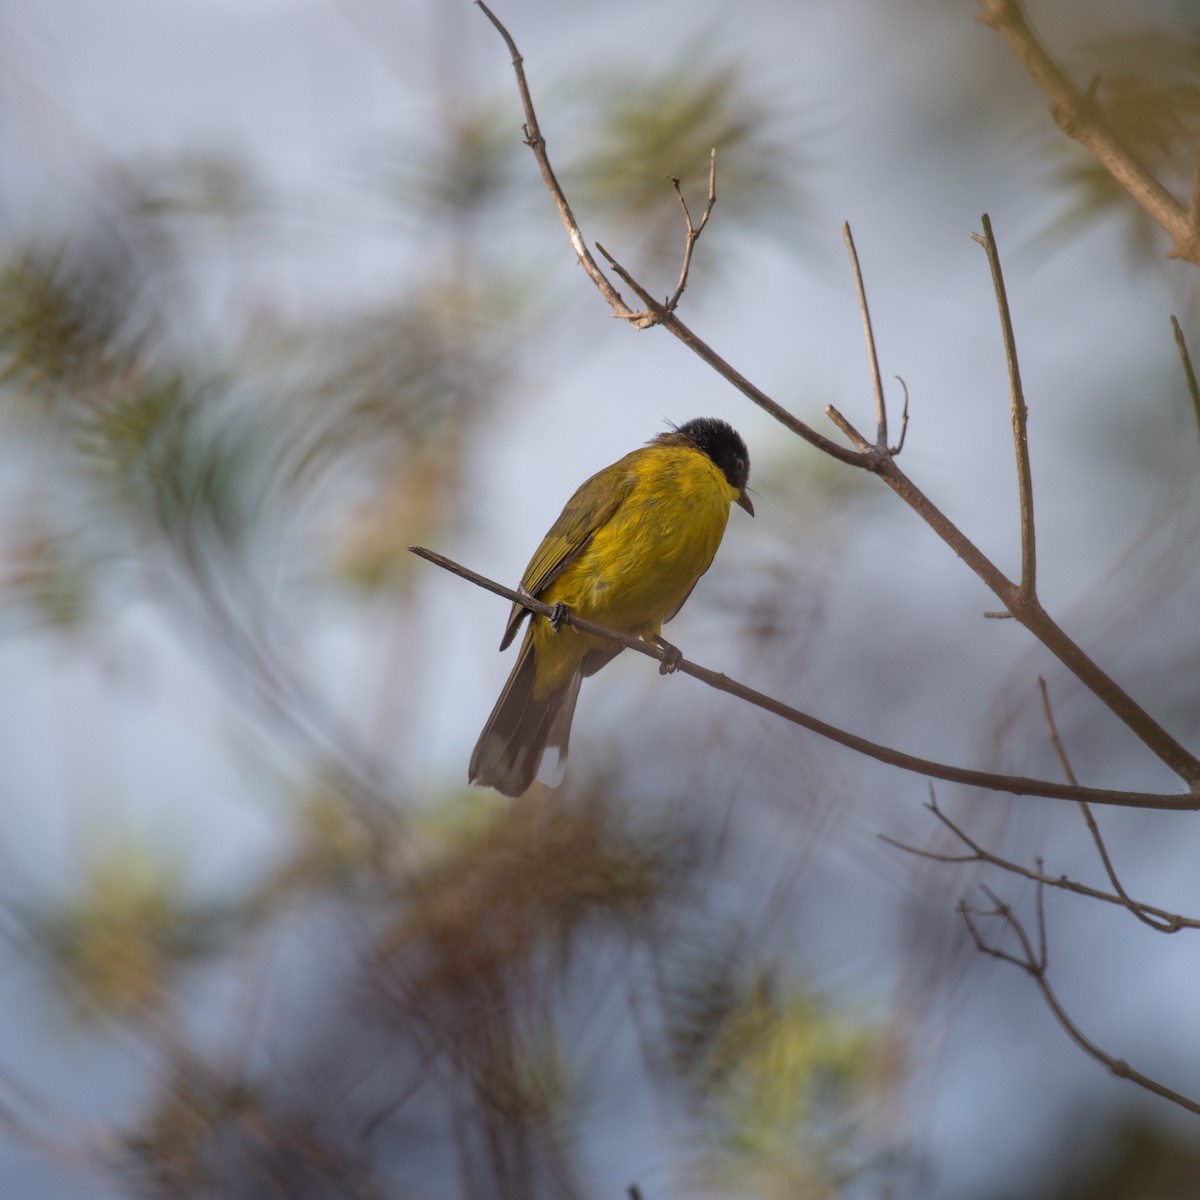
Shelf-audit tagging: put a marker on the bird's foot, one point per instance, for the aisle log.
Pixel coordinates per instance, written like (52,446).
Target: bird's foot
(672,656)
(558,616)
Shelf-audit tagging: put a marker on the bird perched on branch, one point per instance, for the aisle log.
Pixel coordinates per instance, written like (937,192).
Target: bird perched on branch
(625,552)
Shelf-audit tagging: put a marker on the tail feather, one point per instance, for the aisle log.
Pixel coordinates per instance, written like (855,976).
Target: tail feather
(521,729)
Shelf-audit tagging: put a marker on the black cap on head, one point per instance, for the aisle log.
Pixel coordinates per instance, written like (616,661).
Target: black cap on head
(723,444)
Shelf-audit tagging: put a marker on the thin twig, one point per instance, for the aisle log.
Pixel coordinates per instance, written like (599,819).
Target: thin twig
(537,143)
(869,335)
(670,321)
(1188,371)
(1167,922)
(1020,413)
(693,231)
(1015,784)
(903,420)
(1077,115)
(1034,962)
(1163,925)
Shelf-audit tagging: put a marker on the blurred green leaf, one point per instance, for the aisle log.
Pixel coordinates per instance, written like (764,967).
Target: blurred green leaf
(465,174)
(778,1072)
(63,323)
(116,944)
(651,130)
(44,571)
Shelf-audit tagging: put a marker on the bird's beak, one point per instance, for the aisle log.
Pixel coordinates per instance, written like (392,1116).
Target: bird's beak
(743,501)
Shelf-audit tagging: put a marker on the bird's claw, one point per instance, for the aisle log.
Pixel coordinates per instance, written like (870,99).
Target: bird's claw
(558,616)
(672,657)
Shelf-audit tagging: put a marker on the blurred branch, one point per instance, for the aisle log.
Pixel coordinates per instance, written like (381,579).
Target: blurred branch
(663,652)
(1166,922)
(1078,116)
(1035,963)
(1188,371)
(1170,924)
(876,458)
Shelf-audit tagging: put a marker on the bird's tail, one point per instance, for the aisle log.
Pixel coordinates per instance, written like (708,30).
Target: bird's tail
(522,729)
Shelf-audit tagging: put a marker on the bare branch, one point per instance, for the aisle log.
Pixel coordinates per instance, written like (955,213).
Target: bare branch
(537,143)
(1020,414)
(1034,962)
(869,334)
(1016,784)
(1168,924)
(1165,922)
(693,231)
(1188,371)
(903,420)
(1077,115)
(671,322)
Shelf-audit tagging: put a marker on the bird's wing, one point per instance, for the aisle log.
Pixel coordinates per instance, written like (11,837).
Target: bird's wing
(586,511)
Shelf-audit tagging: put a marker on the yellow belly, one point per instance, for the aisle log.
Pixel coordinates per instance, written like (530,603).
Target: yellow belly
(641,565)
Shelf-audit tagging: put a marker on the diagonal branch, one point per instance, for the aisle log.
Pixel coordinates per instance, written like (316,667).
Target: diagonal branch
(1035,963)
(1166,922)
(537,143)
(1077,115)
(1188,371)
(1016,784)
(671,322)
(1162,924)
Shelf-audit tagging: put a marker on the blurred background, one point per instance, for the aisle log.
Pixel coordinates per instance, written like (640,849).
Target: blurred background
(281,293)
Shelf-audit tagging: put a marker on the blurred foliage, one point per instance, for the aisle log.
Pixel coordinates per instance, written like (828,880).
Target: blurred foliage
(1136,1160)
(468,171)
(64,323)
(46,577)
(780,1075)
(465,957)
(652,128)
(1146,86)
(117,945)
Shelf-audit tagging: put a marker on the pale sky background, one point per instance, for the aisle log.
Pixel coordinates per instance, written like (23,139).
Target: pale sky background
(308,91)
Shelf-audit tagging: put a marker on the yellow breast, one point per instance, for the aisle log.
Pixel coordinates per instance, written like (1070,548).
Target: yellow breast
(642,563)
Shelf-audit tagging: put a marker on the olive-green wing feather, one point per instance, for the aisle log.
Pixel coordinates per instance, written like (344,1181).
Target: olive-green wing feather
(586,511)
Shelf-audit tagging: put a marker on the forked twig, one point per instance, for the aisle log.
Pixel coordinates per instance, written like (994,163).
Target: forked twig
(1164,924)
(1035,963)
(537,143)
(693,231)
(1167,922)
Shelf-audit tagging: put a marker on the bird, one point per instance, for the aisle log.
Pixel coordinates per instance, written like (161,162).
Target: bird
(626,552)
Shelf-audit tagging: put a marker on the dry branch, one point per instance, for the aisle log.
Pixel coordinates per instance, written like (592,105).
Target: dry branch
(1035,963)
(1077,114)
(1164,921)
(663,652)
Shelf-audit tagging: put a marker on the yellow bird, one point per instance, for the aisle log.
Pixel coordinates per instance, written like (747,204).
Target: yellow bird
(626,553)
